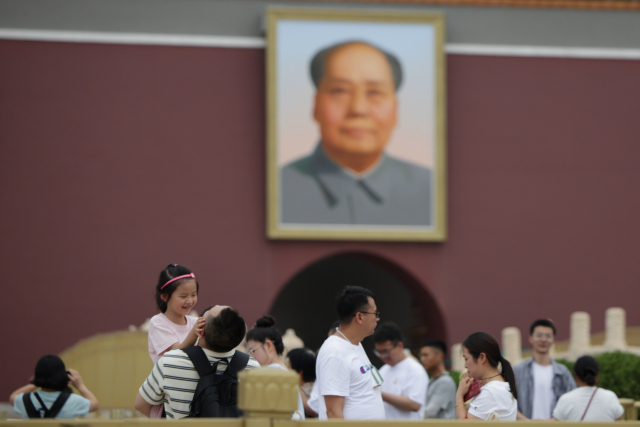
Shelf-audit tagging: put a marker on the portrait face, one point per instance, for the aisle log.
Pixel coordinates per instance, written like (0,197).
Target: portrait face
(355,105)
(430,357)
(542,339)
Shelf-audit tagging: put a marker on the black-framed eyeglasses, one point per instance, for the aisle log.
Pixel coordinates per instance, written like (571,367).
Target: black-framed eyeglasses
(377,313)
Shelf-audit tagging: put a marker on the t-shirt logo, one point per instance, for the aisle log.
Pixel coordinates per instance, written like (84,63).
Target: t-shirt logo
(365,369)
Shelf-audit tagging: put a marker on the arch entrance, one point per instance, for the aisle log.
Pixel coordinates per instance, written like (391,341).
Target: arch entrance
(307,302)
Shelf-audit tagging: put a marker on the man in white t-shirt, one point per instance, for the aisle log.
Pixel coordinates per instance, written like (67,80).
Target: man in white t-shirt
(405,380)
(541,380)
(348,384)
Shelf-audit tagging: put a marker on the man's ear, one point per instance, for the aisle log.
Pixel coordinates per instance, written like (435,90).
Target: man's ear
(400,345)
(530,339)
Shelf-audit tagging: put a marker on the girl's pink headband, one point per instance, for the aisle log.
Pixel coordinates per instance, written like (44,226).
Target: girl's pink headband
(193,276)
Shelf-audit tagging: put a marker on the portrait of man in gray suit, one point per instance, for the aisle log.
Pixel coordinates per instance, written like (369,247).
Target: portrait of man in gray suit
(349,179)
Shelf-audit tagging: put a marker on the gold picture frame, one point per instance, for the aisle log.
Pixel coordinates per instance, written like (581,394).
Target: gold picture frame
(316,194)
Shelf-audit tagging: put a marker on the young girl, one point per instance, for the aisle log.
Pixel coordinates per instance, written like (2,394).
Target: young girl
(265,345)
(52,376)
(176,295)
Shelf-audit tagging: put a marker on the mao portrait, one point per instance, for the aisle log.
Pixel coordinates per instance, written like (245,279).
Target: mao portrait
(344,180)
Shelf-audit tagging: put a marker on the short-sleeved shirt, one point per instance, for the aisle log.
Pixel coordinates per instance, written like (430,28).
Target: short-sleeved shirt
(605,405)
(405,378)
(441,397)
(343,369)
(495,396)
(163,333)
(74,406)
(174,379)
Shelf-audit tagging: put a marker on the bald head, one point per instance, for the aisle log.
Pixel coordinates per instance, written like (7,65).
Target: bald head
(319,61)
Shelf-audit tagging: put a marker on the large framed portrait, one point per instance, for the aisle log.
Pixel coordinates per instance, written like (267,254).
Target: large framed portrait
(355,125)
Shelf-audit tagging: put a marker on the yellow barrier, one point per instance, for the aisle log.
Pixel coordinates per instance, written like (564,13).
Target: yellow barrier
(113,366)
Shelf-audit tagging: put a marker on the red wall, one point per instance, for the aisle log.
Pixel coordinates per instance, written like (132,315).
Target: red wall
(117,160)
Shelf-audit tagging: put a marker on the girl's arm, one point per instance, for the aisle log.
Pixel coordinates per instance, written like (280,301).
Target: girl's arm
(24,389)
(76,380)
(192,337)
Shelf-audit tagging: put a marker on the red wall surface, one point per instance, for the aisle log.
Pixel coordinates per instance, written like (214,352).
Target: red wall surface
(116,160)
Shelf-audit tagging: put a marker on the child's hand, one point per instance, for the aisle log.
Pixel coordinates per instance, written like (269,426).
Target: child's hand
(199,327)
(74,378)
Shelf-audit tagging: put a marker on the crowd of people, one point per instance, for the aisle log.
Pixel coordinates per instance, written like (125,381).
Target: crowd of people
(196,362)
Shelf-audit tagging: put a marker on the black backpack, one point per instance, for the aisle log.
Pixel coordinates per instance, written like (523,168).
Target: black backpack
(32,412)
(216,395)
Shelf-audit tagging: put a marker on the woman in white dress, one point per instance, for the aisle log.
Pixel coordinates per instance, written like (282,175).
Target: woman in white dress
(588,402)
(498,395)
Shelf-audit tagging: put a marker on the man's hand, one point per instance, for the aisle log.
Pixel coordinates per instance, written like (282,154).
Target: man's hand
(335,405)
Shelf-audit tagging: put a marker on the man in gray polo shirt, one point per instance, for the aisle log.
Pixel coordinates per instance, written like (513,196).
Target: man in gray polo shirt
(349,179)
(441,394)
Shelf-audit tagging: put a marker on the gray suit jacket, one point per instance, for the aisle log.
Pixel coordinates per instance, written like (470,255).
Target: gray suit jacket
(315,190)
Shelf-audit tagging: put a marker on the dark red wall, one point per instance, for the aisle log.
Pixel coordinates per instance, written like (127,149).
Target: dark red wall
(117,160)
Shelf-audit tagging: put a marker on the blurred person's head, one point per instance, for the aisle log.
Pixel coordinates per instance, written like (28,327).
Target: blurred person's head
(388,344)
(357,310)
(224,329)
(303,361)
(264,342)
(51,374)
(432,356)
(542,335)
(586,371)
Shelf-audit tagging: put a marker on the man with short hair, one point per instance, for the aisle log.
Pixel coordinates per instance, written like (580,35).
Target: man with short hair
(441,395)
(405,388)
(348,384)
(540,379)
(174,378)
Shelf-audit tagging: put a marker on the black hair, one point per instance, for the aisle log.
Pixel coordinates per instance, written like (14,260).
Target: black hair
(303,359)
(482,342)
(225,331)
(51,373)
(587,368)
(437,344)
(172,271)
(543,322)
(317,65)
(264,330)
(388,332)
(351,300)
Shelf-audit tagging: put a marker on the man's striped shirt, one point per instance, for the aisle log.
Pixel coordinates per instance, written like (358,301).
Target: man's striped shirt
(174,379)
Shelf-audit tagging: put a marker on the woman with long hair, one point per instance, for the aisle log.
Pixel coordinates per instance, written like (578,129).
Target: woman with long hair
(485,364)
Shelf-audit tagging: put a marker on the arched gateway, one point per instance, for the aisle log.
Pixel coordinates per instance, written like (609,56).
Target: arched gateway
(306,302)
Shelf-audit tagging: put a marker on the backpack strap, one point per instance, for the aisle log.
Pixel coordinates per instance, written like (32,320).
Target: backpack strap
(32,412)
(200,360)
(238,362)
(58,404)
